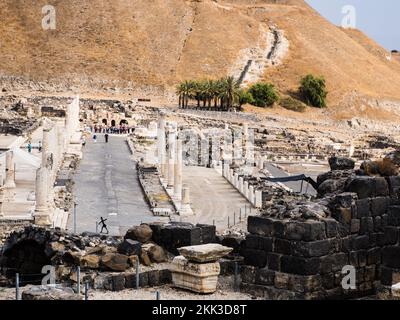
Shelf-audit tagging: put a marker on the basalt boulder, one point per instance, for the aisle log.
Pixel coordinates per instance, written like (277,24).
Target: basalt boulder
(142,233)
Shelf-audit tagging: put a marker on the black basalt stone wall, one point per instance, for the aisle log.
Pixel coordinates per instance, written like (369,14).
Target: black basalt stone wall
(292,259)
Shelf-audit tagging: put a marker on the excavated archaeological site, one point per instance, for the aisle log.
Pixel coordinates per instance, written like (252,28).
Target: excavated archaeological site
(109,190)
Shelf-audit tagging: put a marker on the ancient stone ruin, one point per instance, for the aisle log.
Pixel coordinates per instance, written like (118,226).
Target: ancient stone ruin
(302,256)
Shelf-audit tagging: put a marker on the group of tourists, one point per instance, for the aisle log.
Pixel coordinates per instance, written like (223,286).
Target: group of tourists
(123,129)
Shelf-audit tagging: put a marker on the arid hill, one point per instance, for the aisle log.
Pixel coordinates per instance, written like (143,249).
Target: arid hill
(144,47)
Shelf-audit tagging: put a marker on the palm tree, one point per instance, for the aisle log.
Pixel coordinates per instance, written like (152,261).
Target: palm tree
(185,91)
(230,92)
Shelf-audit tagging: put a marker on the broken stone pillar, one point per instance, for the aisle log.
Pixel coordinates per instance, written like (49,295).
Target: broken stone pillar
(251,194)
(197,268)
(246,189)
(196,277)
(261,163)
(178,171)
(236,180)
(162,146)
(61,142)
(2,198)
(42,212)
(232,177)
(10,172)
(185,203)
(258,199)
(241,181)
(72,120)
(171,157)
(245,131)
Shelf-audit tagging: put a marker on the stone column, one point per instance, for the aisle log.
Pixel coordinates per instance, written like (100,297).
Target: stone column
(178,170)
(161,146)
(261,163)
(241,180)
(42,213)
(246,189)
(10,171)
(251,194)
(2,197)
(171,156)
(236,180)
(185,204)
(258,199)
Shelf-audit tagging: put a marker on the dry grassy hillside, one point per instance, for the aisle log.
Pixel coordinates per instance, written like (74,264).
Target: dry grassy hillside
(102,44)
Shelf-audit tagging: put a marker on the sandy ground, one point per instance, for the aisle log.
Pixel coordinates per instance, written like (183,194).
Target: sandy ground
(224,292)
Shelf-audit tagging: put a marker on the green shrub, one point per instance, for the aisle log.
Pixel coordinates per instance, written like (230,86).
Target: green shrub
(264,94)
(292,104)
(313,91)
(245,97)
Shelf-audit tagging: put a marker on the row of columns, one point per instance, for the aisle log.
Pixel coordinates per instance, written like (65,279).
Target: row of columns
(55,142)
(170,160)
(254,196)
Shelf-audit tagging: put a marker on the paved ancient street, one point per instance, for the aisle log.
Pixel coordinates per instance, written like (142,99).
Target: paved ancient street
(106,185)
(212,197)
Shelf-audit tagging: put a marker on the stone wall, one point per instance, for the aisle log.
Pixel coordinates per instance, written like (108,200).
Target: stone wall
(303,258)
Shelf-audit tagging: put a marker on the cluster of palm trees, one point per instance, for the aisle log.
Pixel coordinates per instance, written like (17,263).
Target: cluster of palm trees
(223,94)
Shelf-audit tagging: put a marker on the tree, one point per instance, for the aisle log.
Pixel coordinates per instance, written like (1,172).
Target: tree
(245,97)
(230,89)
(264,94)
(185,90)
(313,91)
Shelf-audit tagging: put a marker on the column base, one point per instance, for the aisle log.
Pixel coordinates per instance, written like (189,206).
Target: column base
(185,210)
(42,217)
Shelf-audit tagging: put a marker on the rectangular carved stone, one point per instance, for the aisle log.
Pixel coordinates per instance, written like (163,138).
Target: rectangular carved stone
(331,227)
(301,266)
(260,226)
(367,225)
(305,284)
(339,260)
(304,231)
(283,246)
(363,208)
(208,233)
(379,205)
(259,242)
(254,257)
(391,256)
(362,258)
(312,249)
(281,280)
(248,274)
(374,256)
(360,242)
(391,235)
(394,216)
(378,224)
(274,261)
(355,226)
(196,277)
(265,276)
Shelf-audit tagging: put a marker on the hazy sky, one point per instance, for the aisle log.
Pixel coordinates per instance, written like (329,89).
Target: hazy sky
(379,19)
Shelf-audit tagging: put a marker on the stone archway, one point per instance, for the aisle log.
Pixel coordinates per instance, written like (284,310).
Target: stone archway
(26,257)
(113,123)
(123,122)
(104,121)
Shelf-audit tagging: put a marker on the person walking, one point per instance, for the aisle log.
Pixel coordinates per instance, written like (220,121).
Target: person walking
(94,138)
(30,147)
(103,225)
(106,137)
